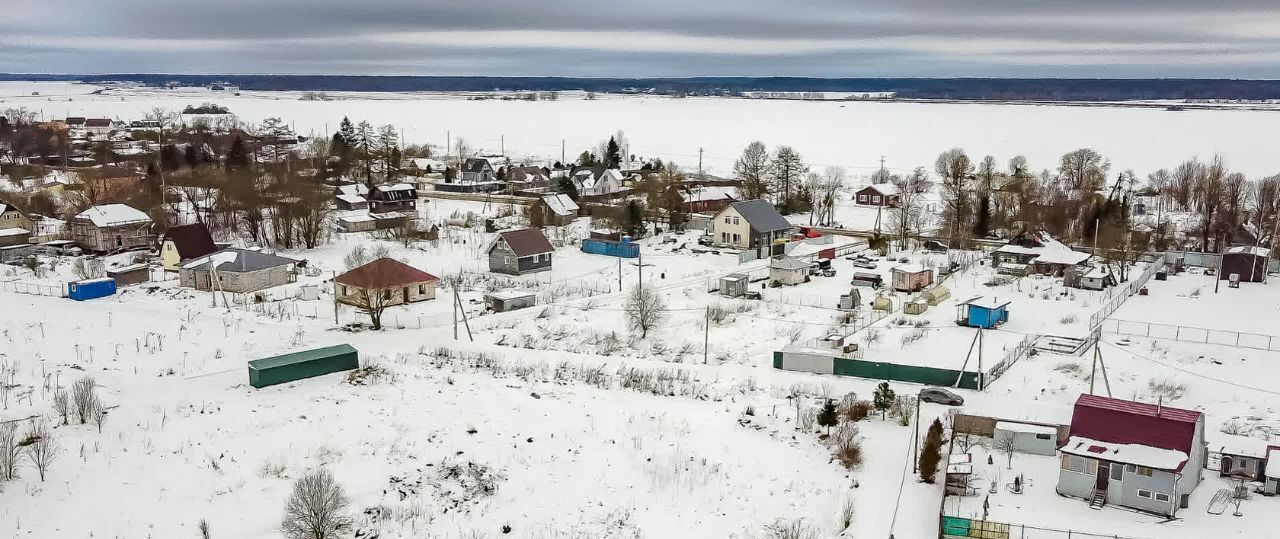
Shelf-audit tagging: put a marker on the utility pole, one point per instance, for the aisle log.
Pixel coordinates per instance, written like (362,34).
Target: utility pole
(915,442)
(881,169)
(457,300)
(562,152)
(619,274)
(335,297)
(455,310)
(706,334)
(502,145)
(640,268)
(1097,223)
(982,381)
(700,176)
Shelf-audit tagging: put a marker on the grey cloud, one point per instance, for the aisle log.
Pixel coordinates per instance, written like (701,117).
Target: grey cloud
(851,37)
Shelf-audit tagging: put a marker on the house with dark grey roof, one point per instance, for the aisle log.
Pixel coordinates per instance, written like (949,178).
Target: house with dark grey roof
(478,170)
(748,225)
(238,270)
(518,252)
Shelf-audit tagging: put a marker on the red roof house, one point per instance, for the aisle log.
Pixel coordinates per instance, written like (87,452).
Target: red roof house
(396,281)
(1139,455)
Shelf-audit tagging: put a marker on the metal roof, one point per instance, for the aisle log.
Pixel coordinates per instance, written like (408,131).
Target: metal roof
(761,215)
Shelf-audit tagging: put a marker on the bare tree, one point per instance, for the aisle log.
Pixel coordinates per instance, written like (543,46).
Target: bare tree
(203,526)
(1207,193)
(826,191)
(1007,445)
(752,168)
(911,190)
(645,309)
(43,448)
(1084,170)
(62,404)
(316,509)
(956,169)
(83,398)
(99,414)
(9,451)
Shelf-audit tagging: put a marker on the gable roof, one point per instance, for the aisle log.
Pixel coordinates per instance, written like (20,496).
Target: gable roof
(761,215)
(526,174)
(560,204)
(384,273)
(1122,422)
(476,164)
(526,242)
(1044,248)
(886,189)
(237,260)
(709,192)
(788,263)
(192,240)
(6,208)
(1243,249)
(113,215)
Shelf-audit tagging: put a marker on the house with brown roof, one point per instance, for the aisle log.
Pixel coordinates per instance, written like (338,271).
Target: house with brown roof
(1134,454)
(519,252)
(387,281)
(878,194)
(183,243)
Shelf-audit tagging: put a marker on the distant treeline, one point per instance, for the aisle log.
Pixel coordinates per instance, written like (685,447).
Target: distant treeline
(966,89)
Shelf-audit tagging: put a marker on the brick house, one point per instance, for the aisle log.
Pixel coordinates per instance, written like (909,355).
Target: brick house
(238,270)
(400,283)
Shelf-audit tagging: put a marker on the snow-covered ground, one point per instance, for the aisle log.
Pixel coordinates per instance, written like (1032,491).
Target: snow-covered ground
(852,134)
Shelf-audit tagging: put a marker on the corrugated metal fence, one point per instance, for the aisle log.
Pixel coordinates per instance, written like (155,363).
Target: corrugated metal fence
(611,248)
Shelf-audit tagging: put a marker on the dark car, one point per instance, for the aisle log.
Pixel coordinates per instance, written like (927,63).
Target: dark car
(938,395)
(935,246)
(706,241)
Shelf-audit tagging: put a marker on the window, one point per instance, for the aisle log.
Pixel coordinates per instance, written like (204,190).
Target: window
(737,238)
(1043,436)
(724,237)
(876,199)
(735,220)
(1144,471)
(1079,464)
(1162,497)
(728,220)
(342,289)
(862,198)
(1144,494)
(422,289)
(1117,472)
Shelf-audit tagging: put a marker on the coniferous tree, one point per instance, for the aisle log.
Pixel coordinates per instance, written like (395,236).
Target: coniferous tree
(237,155)
(883,399)
(828,417)
(613,154)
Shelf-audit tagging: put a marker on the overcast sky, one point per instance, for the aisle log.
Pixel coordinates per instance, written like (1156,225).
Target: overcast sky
(658,38)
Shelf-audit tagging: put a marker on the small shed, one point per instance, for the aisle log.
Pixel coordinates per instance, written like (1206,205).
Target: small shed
(911,277)
(850,301)
(882,303)
(981,312)
(305,364)
(131,274)
(1271,486)
(734,284)
(788,271)
(1094,278)
(1242,456)
(916,306)
(1250,263)
(91,288)
(1029,438)
(959,469)
(509,300)
(1013,268)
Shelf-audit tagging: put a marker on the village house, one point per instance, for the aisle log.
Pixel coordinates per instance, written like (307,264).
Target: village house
(528,177)
(878,194)
(520,252)
(749,224)
(596,180)
(15,226)
(98,126)
(1039,252)
(400,197)
(557,209)
(183,243)
(1244,457)
(399,283)
(478,170)
(418,166)
(351,197)
(1137,455)
(705,198)
(111,227)
(238,271)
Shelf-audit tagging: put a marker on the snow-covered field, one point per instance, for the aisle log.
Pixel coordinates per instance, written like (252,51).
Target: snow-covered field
(852,134)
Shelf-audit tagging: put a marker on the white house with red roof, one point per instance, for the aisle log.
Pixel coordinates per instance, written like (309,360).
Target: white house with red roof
(1133,454)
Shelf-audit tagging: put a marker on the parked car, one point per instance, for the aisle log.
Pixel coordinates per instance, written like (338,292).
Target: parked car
(936,246)
(938,395)
(829,272)
(706,241)
(864,264)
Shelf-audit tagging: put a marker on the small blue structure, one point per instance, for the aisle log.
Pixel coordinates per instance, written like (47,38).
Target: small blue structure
(982,313)
(91,288)
(620,249)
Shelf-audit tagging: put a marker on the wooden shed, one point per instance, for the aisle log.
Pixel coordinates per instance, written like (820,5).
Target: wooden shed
(131,274)
(300,365)
(911,277)
(1249,263)
(509,300)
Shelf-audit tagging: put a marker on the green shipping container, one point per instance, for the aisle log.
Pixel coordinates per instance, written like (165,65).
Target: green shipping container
(299,365)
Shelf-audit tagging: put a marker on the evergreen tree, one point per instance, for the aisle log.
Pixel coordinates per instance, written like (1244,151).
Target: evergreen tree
(170,157)
(930,457)
(883,399)
(237,155)
(363,144)
(612,154)
(346,131)
(982,221)
(828,417)
(787,169)
(192,156)
(634,219)
(567,187)
(587,159)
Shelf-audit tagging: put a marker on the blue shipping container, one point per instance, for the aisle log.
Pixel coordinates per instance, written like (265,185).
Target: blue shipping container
(623,249)
(91,289)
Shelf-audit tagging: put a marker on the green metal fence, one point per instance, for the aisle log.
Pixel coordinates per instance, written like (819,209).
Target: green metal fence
(904,373)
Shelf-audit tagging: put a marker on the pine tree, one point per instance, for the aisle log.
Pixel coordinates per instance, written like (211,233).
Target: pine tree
(930,457)
(237,155)
(634,219)
(883,399)
(612,154)
(828,417)
(346,131)
(363,145)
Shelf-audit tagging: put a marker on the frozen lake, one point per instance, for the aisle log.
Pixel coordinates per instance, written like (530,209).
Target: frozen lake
(850,134)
